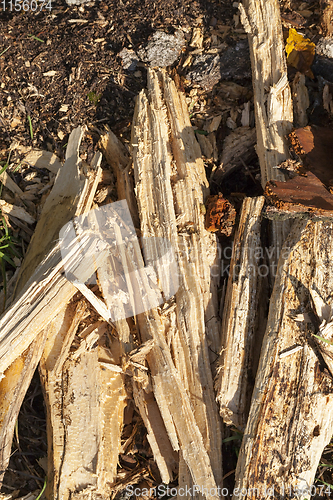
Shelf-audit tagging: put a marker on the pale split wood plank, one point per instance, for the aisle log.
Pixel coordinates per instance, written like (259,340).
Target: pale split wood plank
(8,182)
(119,160)
(15,211)
(69,185)
(165,457)
(12,391)
(85,403)
(272,99)
(85,432)
(290,420)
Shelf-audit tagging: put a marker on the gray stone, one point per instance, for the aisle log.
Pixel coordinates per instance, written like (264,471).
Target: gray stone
(233,64)
(129,59)
(205,71)
(163,49)
(323,61)
(325,47)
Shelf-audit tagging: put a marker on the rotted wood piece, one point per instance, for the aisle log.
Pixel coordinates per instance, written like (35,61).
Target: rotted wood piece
(303,194)
(313,145)
(170,185)
(244,316)
(220,215)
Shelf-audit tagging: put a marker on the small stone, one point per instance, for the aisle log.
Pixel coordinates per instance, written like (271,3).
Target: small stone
(325,47)
(129,59)
(235,62)
(163,49)
(205,71)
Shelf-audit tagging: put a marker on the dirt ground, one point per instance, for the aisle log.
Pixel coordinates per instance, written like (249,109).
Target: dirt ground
(60,67)
(81,46)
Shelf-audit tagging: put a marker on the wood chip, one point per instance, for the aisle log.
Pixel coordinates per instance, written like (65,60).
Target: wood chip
(18,212)
(8,182)
(50,73)
(197,38)
(43,159)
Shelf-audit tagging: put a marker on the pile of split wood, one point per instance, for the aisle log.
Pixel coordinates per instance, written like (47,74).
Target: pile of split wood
(92,363)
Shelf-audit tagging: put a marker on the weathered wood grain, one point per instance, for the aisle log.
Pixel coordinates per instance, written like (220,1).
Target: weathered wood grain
(272,96)
(244,316)
(170,185)
(22,327)
(290,420)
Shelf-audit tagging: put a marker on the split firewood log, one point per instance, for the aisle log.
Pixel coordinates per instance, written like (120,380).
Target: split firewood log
(290,420)
(272,95)
(170,187)
(166,458)
(273,116)
(43,289)
(244,316)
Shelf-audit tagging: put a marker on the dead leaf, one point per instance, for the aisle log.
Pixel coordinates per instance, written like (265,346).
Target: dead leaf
(300,52)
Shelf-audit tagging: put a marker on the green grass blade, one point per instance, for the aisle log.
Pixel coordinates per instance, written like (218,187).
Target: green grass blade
(5,50)
(30,127)
(326,484)
(7,259)
(43,489)
(4,168)
(324,340)
(36,38)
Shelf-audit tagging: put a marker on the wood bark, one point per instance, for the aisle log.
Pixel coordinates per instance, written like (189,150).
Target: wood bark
(244,316)
(290,420)
(170,185)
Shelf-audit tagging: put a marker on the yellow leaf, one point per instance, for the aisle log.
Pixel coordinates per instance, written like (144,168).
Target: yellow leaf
(300,52)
